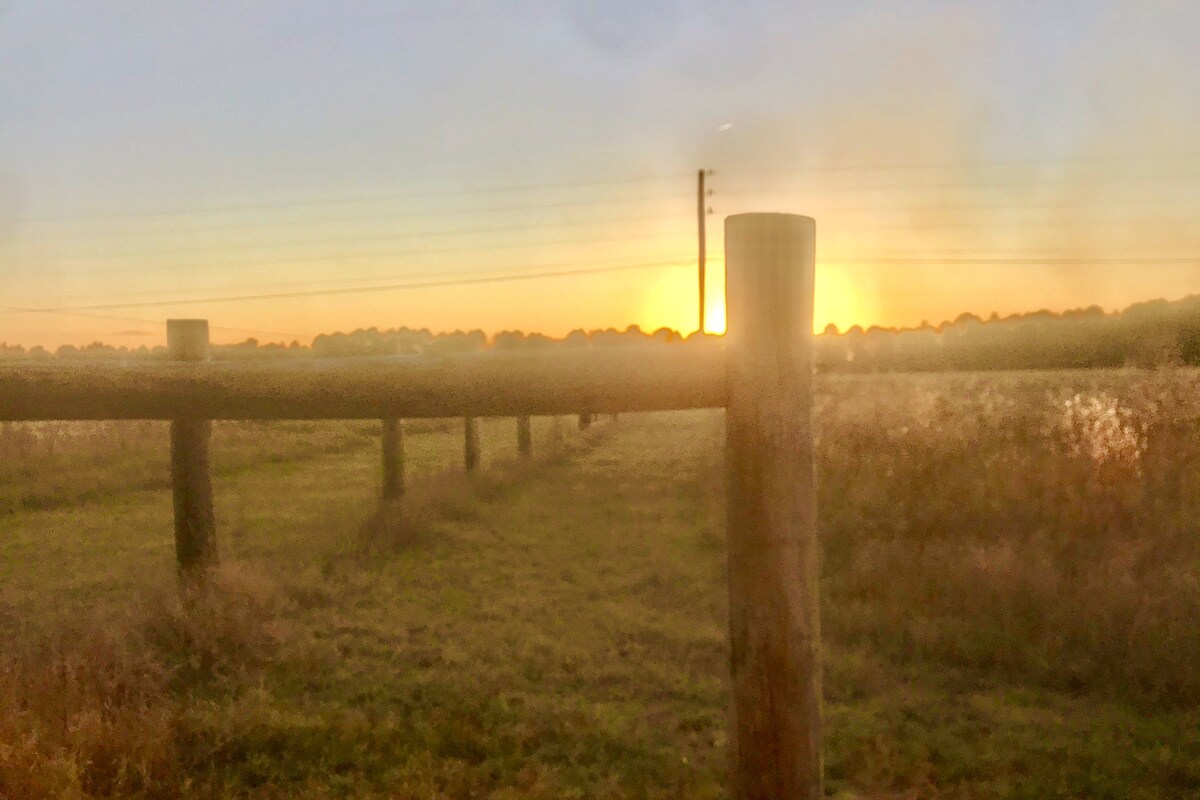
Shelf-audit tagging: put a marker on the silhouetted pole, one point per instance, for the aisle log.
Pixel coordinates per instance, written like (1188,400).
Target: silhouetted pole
(191,486)
(524,436)
(585,420)
(393,459)
(774,620)
(701,216)
(470,443)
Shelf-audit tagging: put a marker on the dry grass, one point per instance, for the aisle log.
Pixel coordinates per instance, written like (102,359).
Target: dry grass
(45,465)
(92,708)
(1024,524)
(84,714)
(1009,596)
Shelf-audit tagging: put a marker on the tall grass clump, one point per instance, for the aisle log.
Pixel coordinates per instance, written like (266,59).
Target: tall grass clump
(214,631)
(84,713)
(93,708)
(1042,526)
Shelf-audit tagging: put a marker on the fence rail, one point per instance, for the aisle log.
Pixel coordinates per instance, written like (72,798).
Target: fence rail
(477,385)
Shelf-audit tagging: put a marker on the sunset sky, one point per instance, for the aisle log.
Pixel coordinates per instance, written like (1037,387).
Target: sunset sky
(331,160)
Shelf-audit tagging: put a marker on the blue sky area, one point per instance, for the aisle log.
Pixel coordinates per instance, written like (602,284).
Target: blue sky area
(186,153)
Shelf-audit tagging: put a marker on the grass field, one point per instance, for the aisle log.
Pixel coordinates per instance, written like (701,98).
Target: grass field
(1011,595)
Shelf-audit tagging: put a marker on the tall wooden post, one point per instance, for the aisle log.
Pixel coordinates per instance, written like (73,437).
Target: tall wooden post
(702,260)
(524,436)
(774,620)
(191,485)
(470,443)
(393,459)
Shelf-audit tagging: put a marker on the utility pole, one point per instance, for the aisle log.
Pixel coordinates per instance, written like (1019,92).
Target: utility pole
(701,213)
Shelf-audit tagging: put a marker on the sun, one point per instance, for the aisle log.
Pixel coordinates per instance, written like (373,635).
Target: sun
(838,300)
(669,300)
(714,316)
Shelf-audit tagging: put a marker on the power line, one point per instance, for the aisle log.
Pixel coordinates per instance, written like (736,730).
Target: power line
(838,224)
(833,223)
(948,256)
(335,258)
(975,185)
(1072,206)
(867,258)
(359,238)
(825,256)
(361,289)
(347,280)
(69,313)
(997,164)
(567,185)
(389,215)
(830,223)
(409,195)
(1013,260)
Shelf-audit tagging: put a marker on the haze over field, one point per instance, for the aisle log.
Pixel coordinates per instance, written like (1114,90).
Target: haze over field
(158,160)
(364,432)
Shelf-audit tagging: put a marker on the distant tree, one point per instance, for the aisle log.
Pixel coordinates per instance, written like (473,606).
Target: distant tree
(576,338)
(509,340)
(665,336)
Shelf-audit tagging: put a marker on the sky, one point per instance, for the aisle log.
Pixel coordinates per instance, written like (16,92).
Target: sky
(290,168)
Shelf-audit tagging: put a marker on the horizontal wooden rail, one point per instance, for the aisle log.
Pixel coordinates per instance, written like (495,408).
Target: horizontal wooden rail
(477,385)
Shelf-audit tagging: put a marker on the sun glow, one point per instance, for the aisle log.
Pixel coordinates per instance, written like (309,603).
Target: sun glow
(839,300)
(714,316)
(669,299)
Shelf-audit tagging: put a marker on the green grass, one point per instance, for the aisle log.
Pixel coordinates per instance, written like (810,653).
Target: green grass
(558,630)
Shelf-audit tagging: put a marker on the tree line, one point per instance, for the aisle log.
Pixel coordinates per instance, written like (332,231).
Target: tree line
(1156,332)
(1145,334)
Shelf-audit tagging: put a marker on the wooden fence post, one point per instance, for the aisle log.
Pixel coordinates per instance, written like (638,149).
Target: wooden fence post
(524,436)
(393,459)
(774,620)
(191,485)
(470,443)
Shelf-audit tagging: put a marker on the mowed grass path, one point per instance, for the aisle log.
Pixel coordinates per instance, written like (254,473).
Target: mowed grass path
(557,634)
